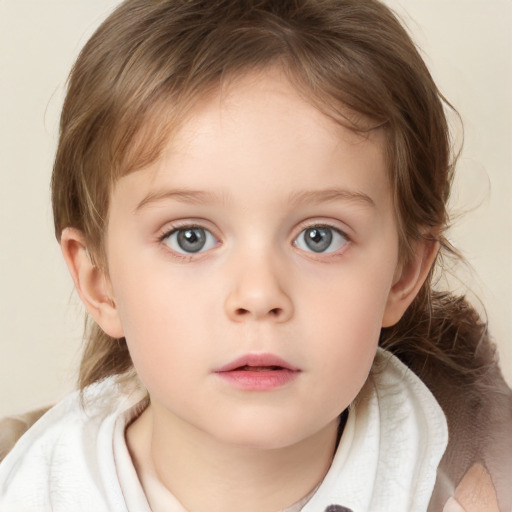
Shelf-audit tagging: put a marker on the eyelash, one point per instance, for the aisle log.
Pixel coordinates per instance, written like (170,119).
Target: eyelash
(183,228)
(301,232)
(322,226)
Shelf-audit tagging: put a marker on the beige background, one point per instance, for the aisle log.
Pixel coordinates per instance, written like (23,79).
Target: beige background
(468,46)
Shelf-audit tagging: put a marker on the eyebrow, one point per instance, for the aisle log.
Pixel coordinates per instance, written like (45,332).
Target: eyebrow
(182,195)
(331,195)
(309,196)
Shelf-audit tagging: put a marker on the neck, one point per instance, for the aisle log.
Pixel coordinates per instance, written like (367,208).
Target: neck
(230,477)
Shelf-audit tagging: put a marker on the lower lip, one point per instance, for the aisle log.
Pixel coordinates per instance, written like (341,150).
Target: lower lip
(259,380)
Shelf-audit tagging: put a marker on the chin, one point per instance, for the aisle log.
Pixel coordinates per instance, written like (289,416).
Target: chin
(266,434)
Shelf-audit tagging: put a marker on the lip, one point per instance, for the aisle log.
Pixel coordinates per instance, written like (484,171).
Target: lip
(258,372)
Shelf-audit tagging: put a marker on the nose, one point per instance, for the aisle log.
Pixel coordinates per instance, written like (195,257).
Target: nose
(258,293)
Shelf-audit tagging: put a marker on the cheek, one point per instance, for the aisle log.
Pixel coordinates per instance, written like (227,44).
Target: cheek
(345,320)
(153,318)
(347,341)
(167,320)
(349,305)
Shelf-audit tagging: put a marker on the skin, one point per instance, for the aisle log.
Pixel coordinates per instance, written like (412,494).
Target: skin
(255,167)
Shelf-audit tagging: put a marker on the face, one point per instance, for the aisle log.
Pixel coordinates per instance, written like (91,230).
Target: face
(251,266)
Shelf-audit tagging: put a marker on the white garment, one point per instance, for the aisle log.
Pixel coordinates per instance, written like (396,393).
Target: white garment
(393,441)
(73,460)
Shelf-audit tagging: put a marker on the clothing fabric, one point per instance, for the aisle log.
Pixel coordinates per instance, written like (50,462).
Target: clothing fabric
(75,459)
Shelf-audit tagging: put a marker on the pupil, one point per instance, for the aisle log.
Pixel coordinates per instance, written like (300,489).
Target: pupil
(192,240)
(318,239)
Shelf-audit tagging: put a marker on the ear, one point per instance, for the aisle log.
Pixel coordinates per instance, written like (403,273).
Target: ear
(408,280)
(91,282)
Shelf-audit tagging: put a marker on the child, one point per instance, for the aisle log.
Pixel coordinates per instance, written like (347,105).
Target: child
(250,196)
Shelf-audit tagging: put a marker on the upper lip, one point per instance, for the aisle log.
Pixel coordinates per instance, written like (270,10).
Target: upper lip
(257,361)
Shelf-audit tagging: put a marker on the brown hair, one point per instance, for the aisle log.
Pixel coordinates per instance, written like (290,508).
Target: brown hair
(147,63)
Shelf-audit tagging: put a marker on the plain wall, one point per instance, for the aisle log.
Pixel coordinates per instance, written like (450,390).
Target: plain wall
(466,43)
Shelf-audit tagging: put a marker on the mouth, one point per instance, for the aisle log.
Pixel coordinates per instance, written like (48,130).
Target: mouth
(247,368)
(258,372)
(257,363)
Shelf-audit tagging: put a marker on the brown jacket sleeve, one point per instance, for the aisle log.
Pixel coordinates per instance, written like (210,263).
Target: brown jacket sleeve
(476,469)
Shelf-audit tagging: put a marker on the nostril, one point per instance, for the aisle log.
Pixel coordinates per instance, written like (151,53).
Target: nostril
(272,312)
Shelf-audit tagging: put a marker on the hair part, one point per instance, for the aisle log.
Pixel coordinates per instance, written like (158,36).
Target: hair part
(149,63)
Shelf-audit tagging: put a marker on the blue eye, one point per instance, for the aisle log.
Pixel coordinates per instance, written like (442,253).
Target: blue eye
(190,240)
(320,239)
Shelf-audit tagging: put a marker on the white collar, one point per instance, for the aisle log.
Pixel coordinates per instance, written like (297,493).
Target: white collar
(393,441)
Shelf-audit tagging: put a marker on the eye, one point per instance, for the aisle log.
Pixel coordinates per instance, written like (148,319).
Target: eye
(320,239)
(190,240)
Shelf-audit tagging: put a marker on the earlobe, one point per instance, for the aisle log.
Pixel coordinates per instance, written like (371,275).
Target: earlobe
(91,282)
(409,280)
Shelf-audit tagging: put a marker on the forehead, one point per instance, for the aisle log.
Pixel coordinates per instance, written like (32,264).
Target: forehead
(171,119)
(259,142)
(264,111)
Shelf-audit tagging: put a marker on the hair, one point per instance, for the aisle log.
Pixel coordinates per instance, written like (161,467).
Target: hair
(151,60)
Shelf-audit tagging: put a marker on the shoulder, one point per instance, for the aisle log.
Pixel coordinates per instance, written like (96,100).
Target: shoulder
(478,459)
(42,451)
(67,455)
(13,427)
